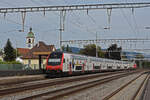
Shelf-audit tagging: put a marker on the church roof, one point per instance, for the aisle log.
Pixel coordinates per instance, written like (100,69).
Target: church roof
(30,34)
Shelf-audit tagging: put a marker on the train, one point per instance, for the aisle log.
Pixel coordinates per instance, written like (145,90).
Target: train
(69,64)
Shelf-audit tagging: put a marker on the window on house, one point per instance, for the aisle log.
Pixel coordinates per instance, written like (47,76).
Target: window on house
(29,62)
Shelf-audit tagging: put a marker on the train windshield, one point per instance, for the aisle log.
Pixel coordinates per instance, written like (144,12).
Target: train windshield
(55,58)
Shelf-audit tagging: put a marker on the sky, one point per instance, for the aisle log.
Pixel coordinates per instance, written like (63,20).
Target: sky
(78,24)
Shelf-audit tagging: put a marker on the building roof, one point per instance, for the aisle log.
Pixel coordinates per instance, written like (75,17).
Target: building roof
(39,47)
(23,51)
(30,34)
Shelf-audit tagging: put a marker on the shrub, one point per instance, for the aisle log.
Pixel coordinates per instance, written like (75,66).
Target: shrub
(12,62)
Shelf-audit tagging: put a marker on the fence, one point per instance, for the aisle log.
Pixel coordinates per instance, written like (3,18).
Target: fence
(19,69)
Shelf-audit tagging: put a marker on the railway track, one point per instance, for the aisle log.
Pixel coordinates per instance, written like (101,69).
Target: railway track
(7,81)
(20,87)
(56,93)
(29,87)
(140,90)
(136,95)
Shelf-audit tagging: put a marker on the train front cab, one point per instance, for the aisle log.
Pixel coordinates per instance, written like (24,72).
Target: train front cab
(54,63)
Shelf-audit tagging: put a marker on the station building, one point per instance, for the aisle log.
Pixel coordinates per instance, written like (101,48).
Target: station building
(30,55)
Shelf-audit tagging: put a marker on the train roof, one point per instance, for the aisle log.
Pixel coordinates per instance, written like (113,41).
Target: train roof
(109,60)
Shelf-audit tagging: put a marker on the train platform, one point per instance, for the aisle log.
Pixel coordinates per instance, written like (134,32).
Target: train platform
(19,79)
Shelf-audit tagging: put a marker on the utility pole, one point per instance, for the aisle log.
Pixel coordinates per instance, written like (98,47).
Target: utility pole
(60,39)
(96,46)
(61,29)
(62,25)
(16,49)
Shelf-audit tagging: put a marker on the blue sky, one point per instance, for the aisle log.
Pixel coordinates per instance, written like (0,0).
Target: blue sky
(78,25)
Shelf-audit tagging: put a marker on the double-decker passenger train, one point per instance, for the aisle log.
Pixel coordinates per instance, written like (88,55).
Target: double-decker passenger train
(68,63)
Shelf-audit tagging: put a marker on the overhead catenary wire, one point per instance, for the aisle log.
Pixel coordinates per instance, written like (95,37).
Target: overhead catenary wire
(86,27)
(75,23)
(128,22)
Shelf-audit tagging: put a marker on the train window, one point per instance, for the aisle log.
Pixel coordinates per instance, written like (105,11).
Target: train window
(78,67)
(55,58)
(64,60)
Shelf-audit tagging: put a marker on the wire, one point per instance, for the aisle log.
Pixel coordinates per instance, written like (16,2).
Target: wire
(124,15)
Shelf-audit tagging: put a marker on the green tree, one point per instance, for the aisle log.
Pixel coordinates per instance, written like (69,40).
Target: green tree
(139,59)
(67,48)
(139,56)
(9,52)
(63,48)
(114,52)
(1,52)
(90,50)
(124,56)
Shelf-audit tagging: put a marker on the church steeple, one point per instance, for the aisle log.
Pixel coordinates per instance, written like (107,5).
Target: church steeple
(30,39)
(30,29)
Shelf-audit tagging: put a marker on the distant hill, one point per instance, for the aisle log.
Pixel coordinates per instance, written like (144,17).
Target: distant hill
(131,55)
(75,49)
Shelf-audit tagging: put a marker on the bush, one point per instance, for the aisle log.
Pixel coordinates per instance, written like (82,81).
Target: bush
(12,62)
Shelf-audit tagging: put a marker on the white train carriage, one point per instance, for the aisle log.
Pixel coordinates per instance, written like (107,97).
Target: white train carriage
(70,63)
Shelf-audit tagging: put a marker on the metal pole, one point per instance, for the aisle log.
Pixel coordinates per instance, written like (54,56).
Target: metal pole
(40,62)
(60,38)
(16,49)
(121,55)
(96,46)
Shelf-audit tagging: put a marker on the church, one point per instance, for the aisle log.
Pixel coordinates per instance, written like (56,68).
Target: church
(29,55)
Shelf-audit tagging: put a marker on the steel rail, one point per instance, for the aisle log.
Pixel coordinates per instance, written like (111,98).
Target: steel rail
(144,93)
(55,94)
(6,91)
(140,87)
(124,86)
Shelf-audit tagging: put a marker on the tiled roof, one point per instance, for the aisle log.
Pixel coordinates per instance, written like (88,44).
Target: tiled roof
(23,51)
(39,47)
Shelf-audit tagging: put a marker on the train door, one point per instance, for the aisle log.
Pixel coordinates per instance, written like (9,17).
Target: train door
(66,63)
(88,64)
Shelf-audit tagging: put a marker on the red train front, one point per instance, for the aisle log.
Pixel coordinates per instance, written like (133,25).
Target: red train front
(54,63)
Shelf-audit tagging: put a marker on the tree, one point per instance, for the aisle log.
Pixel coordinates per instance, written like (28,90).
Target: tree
(63,48)
(90,50)
(1,52)
(67,48)
(139,57)
(114,52)
(9,52)
(124,56)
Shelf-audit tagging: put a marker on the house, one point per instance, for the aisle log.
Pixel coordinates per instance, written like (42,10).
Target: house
(30,56)
(31,59)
